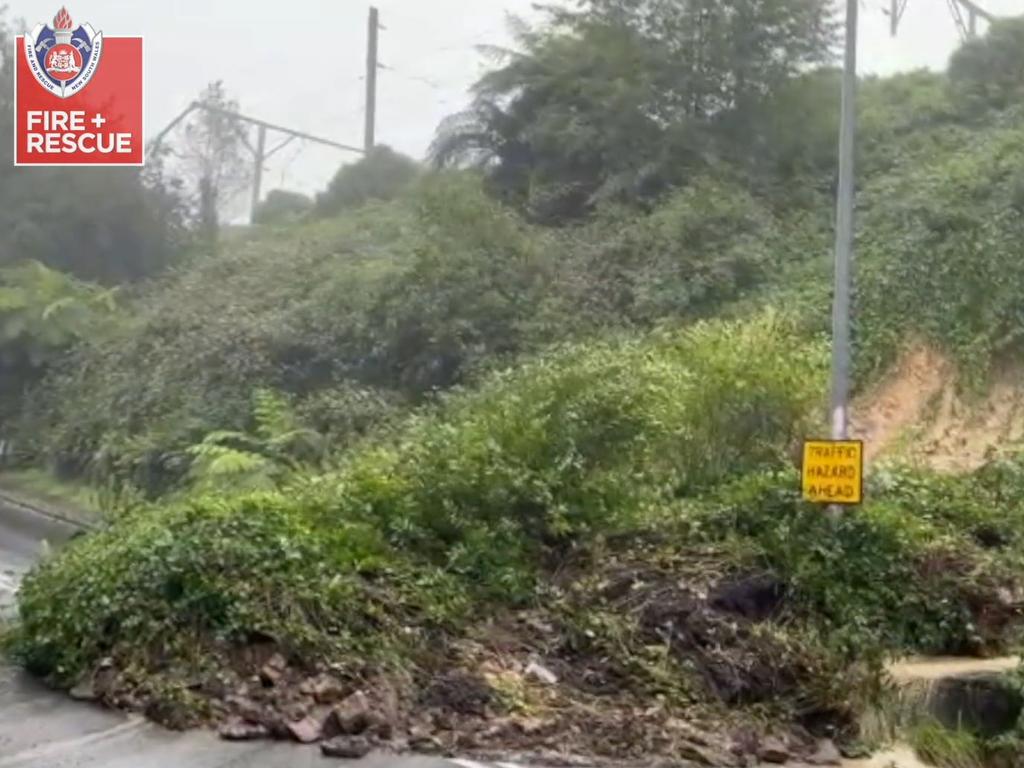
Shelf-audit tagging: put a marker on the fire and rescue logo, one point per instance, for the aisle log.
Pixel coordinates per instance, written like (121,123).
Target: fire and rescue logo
(63,58)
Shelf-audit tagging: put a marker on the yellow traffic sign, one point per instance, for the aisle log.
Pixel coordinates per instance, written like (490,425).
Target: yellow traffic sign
(833,471)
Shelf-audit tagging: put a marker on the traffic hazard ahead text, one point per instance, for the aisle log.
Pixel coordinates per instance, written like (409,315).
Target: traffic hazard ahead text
(833,472)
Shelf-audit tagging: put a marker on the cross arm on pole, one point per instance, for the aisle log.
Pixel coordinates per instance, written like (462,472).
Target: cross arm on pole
(279,128)
(156,142)
(279,147)
(977,10)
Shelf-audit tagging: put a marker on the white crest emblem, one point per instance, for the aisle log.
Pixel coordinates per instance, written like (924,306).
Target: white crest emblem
(63,58)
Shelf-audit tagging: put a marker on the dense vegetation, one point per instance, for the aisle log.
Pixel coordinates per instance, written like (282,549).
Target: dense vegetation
(550,375)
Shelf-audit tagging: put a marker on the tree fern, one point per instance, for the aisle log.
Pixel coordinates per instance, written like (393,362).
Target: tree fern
(277,447)
(43,311)
(216,466)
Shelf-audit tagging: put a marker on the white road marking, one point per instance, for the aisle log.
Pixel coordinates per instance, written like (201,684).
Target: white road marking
(459,762)
(68,746)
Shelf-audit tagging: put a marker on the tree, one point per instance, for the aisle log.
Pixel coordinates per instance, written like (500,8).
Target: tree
(726,53)
(282,206)
(42,313)
(576,118)
(381,175)
(212,160)
(786,143)
(622,100)
(988,72)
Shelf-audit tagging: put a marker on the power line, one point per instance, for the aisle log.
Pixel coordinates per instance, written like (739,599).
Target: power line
(463,44)
(417,78)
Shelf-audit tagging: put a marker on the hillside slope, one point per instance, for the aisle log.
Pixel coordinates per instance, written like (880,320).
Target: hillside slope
(922,410)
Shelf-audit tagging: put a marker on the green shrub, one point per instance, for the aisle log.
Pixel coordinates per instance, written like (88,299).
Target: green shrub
(282,207)
(43,313)
(381,306)
(278,447)
(940,255)
(987,73)
(382,175)
(912,570)
(485,487)
(706,244)
(206,575)
(583,440)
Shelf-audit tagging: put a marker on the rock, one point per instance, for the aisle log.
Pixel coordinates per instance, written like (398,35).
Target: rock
(172,713)
(530,726)
(706,755)
(744,742)
(349,718)
(426,744)
(398,746)
(773,750)
(273,670)
(985,703)
(381,727)
(307,730)
(297,710)
(237,729)
(991,537)
(700,746)
(460,692)
(386,700)
(325,689)
(688,731)
(346,747)
(541,674)
(756,597)
(245,708)
(104,681)
(419,731)
(84,690)
(826,753)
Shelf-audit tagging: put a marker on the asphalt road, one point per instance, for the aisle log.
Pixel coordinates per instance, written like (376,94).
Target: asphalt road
(43,729)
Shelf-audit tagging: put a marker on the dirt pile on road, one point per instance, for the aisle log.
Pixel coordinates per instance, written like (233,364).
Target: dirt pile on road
(640,658)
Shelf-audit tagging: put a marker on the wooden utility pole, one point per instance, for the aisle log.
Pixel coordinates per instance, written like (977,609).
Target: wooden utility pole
(370,138)
(259,155)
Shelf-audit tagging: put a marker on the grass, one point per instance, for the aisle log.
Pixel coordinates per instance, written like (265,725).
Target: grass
(38,488)
(945,748)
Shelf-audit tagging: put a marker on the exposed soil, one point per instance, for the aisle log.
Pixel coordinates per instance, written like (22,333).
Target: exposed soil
(918,410)
(899,400)
(647,657)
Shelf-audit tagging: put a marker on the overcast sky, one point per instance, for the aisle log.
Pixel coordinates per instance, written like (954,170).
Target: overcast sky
(300,62)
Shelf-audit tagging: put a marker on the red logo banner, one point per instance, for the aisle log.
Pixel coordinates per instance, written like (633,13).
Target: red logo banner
(101,123)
